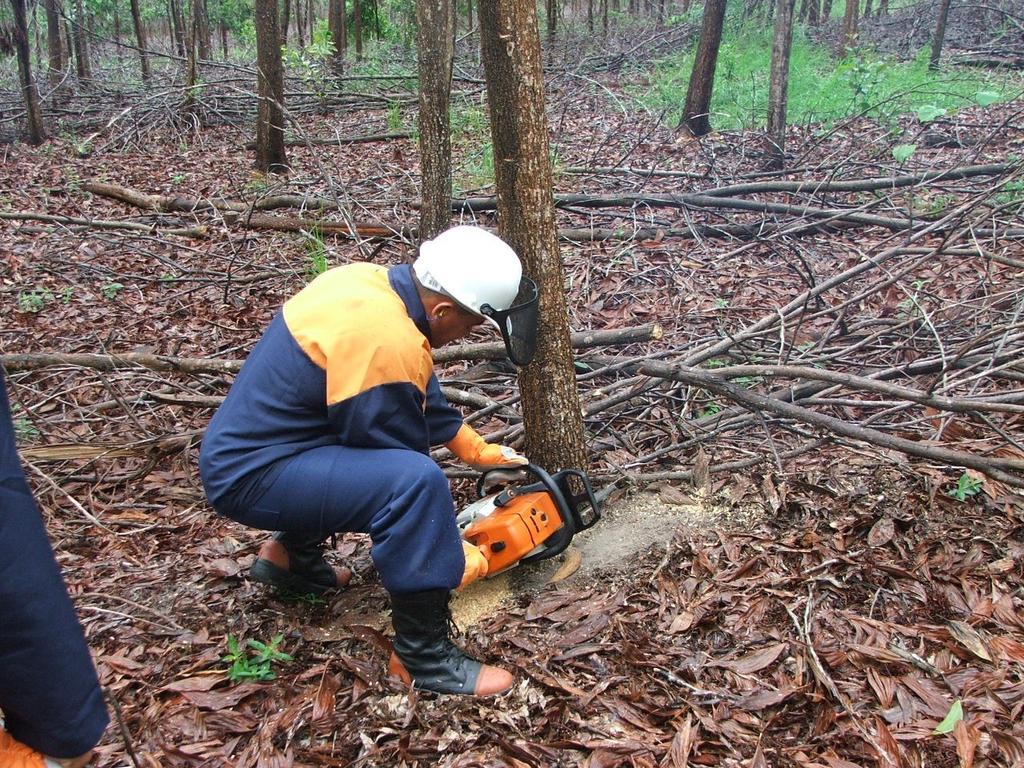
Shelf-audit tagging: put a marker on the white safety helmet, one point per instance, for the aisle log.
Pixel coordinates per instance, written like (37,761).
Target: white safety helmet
(481,273)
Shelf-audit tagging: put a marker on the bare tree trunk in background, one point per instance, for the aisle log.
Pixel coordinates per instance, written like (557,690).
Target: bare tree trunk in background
(224,40)
(604,16)
(939,36)
(848,32)
(867,9)
(300,25)
(270,151)
(191,57)
(590,16)
(510,43)
(81,46)
(552,17)
(357,27)
(826,11)
(339,34)
(883,8)
(435,52)
(204,38)
(116,13)
(778,86)
(56,49)
(469,15)
(702,78)
(140,39)
(813,13)
(286,20)
(179,26)
(33,114)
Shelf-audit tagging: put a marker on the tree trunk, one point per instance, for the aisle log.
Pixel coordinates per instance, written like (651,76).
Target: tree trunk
(81,46)
(940,34)
(192,61)
(590,16)
(552,17)
(299,25)
(778,86)
(204,38)
(286,20)
(116,12)
(702,78)
(178,26)
(867,9)
(33,114)
(826,11)
(813,17)
(140,39)
(357,26)
(510,43)
(883,8)
(848,32)
(270,151)
(336,21)
(56,50)
(435,43)
(469,15)
(224,40)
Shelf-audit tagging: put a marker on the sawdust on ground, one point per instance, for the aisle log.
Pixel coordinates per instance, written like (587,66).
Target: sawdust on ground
(629,526)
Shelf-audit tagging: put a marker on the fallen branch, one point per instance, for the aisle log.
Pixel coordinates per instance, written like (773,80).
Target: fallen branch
(485,351)
(335,141)
(73,221)
(997,468)
(181,204)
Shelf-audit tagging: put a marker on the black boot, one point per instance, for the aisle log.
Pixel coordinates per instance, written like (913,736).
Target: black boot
(294,562)
(425,655)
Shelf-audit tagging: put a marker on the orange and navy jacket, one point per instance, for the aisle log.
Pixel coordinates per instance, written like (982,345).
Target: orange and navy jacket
(346,362)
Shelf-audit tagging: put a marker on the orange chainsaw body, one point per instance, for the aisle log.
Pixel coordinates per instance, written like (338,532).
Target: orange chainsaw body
(509,533)
(531,522)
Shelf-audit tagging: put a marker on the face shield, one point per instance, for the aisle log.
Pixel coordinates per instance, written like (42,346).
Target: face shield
(518,323)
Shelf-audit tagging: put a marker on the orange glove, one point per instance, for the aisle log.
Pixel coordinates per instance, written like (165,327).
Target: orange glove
(479,454)
(476,564)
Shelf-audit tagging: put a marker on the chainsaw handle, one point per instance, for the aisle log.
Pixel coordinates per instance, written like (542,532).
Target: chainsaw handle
(546,482)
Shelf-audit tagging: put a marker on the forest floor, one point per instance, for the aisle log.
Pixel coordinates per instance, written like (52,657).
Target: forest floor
(760,592)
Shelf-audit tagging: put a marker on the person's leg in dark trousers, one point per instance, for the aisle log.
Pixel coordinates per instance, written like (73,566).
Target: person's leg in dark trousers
(403,501)
(49,693)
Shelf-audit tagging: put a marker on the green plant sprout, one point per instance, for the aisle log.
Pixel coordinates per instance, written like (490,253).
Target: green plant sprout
(34,301)
(966,486)
(252,660)
(929,113)
(711,409)
(316,253)
(110,290)
(24,430)
(394,117)
(902,152)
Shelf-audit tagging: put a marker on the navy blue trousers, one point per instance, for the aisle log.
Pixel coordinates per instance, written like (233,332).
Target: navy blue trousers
(400,498)
(49,694)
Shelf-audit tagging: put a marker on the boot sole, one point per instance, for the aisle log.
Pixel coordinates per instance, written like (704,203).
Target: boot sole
(267,573)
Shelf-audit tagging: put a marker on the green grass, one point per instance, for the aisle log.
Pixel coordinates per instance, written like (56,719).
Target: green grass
(821,88)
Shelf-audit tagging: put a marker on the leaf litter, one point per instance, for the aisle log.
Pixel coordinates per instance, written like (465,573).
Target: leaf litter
(840,610)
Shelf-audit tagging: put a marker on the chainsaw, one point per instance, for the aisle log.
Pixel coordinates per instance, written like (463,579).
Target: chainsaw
(529,522)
